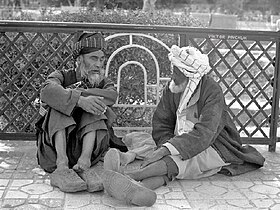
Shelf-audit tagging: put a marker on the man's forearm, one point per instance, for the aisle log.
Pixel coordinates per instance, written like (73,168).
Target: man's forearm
(59,98)
(164,151)
(109,96)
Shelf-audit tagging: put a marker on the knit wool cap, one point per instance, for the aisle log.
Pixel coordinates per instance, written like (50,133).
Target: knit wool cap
(88,42)
(193,64)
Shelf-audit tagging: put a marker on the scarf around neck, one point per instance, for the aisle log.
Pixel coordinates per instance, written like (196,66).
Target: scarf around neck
(194,65)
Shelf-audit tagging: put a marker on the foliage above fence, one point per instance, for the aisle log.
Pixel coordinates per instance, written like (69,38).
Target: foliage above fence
(159,17)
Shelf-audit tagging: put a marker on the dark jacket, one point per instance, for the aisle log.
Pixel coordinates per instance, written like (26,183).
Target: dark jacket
(214,128)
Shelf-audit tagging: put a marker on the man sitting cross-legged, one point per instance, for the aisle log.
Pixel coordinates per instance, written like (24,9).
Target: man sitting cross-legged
(193,135)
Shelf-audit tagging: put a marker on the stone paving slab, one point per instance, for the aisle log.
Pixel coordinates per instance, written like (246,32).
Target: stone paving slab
(24,185)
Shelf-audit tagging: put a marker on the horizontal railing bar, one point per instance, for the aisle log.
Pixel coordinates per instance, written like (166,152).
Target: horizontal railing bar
(32,136)
(70,27)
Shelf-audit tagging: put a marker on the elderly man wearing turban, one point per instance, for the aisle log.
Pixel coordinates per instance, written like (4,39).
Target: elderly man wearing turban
(193,133)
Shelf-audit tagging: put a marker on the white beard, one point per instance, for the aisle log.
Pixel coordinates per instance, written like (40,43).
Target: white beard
(177,88)
(95,79)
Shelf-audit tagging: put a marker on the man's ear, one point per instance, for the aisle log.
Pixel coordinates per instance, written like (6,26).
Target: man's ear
(78,68)
(79,59)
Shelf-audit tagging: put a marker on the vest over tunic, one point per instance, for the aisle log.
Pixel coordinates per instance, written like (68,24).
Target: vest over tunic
(214,127)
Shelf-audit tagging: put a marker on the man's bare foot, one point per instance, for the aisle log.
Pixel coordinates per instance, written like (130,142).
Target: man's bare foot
(82,164)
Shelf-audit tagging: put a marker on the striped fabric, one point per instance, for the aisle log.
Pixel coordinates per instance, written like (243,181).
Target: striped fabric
(91,40)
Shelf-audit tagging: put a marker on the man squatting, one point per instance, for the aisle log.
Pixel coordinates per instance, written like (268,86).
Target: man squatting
(75,129)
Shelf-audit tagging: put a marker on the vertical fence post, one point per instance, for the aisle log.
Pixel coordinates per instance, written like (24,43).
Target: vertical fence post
(275,99)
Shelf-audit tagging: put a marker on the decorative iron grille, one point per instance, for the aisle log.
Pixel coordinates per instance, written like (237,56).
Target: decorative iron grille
(241,62)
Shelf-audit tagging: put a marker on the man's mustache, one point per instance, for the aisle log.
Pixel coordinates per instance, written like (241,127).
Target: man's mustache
(94,72)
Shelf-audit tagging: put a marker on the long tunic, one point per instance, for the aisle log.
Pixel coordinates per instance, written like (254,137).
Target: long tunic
(214,127)
(62,113)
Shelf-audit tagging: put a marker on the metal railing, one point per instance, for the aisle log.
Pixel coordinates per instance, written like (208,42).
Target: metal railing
(242,63)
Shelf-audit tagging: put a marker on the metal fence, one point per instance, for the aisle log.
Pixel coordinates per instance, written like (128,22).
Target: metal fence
(242,63)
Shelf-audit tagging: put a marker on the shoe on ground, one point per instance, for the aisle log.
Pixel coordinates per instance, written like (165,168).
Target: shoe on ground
(126,189)
(92,179)
(67,180)
(112,160)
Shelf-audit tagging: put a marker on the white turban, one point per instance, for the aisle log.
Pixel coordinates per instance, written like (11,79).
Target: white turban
(193,64)
(190,61)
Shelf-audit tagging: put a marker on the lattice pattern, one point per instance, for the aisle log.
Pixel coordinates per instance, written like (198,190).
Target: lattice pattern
(242,66)
(244,70)
(26,59)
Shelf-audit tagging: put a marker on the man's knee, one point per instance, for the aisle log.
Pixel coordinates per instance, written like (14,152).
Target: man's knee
(90,134)
(59,135)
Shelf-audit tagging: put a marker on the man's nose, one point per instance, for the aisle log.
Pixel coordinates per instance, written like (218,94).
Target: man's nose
(99,63)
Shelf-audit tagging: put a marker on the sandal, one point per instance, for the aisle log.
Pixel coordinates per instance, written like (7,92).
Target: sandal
(126,189)
(67,180)
(92,179)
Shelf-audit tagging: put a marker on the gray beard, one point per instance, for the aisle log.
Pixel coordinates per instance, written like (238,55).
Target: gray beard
(95,79)
(177,88)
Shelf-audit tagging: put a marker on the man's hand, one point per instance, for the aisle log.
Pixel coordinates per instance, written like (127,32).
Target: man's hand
(156,155)
(92,104)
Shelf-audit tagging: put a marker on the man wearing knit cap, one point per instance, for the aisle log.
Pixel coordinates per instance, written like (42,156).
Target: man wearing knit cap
(193,133)
(76,125)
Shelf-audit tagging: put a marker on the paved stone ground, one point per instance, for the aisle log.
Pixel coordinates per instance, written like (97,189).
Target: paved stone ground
(23,185)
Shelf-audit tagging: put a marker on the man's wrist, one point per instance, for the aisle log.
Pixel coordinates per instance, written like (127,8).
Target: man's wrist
(79,101)
(165,151)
